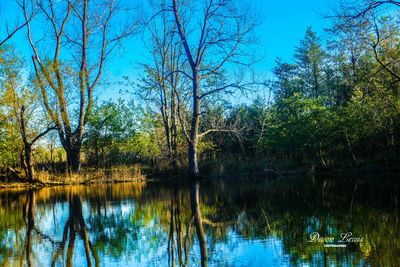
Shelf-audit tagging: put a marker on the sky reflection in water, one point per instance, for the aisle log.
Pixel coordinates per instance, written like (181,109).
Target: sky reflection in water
(244,223)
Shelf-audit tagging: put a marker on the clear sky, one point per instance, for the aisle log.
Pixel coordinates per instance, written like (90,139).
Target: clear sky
(284,25)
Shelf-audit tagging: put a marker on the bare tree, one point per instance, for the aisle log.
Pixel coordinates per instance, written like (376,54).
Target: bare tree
(81,36)
(357,11)
(162,85)
(363,17)
(9,29)
(214,34)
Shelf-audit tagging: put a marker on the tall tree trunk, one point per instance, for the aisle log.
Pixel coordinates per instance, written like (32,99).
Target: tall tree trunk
(73,160)
(194,201)
(174,135)
(194,129)
(193,164)
(29,162)
(30,171)
(73,149)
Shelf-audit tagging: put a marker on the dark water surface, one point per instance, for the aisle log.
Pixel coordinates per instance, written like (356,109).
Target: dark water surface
(260,222)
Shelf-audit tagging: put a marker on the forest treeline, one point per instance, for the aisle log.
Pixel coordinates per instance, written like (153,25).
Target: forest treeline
(335,104)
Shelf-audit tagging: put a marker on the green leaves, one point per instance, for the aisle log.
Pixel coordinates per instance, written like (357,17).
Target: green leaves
(119,132)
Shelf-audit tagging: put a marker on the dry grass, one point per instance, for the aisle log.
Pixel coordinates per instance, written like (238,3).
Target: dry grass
(118,174)
(86,176)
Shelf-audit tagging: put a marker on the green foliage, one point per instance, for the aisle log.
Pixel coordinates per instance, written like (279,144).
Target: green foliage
(333,105)
(10,142)
(119,133)
(353,118)
(310,59)
(17,91)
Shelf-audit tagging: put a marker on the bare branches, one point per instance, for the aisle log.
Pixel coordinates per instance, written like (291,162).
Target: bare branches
(224,29)
(10,32)
(182,35)
(215,130)
(82,34)
(40,135)
(361,11)
(367,20)
(95,26)
(375,44)
(356,12)
(165,78)
(236,85)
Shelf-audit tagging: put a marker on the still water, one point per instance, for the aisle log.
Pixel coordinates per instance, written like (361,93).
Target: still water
(348,221)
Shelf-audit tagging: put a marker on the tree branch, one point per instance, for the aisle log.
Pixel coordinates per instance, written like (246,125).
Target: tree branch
(43,133)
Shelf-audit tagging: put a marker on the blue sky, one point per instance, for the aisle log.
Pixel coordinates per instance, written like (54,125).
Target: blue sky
(284,25)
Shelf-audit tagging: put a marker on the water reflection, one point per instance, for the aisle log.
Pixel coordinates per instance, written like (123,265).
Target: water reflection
(29,217)
(175,234)
(194,203)
(214,223)
(74,225)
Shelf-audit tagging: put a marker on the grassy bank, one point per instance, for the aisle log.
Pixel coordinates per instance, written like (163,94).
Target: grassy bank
(231,168)
(86,176)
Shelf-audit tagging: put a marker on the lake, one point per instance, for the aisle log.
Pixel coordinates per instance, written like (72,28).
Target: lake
(292,221)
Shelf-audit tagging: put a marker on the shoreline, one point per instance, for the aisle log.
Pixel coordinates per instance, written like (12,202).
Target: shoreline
(38,184)
(84,179)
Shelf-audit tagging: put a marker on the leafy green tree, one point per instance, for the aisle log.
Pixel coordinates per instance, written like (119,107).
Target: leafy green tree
(310,58)
(285,84)
(10,142)
(121,133)
(108,129)
(20,105)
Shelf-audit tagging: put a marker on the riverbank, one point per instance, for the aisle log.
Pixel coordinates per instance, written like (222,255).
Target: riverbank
(87,176)
(232,169)
(261,169)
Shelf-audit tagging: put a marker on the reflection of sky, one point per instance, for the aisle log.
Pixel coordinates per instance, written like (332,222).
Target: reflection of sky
(238,251)
(133,230)
(150,248)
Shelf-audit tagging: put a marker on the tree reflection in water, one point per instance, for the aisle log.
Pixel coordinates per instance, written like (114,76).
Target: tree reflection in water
(75,225)
(29,218)
(194,203)
(228,223)
(175,227)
